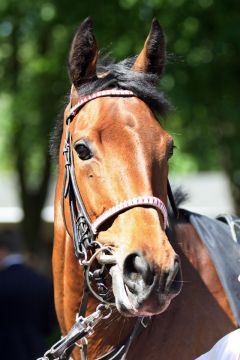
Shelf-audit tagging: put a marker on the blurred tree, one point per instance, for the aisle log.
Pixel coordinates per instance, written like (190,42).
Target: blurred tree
(205,84)
(201,78)
(31,80)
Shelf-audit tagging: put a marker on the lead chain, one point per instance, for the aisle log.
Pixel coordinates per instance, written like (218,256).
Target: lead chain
(82,328)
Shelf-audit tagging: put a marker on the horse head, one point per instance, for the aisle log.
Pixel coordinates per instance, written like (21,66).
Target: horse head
(120,155)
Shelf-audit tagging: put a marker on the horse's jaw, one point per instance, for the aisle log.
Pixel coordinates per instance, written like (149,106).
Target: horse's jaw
(151,302)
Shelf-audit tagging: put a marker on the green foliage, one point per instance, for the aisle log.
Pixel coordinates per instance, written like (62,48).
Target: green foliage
(201,79)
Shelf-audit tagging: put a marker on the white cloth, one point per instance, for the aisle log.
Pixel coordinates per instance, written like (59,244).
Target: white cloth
(227,348)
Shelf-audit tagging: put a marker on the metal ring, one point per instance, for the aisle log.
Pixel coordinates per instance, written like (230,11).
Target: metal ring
(102,248)
(87,273)
(97,243)
(97,296)
(106,307)
(83,341)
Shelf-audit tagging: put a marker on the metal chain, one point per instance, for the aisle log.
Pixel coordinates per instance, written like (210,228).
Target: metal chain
(83,327)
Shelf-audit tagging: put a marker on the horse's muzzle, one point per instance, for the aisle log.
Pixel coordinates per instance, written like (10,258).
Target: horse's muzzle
(143,291)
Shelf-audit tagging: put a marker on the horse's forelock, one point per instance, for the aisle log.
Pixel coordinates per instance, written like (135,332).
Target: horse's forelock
(117,75)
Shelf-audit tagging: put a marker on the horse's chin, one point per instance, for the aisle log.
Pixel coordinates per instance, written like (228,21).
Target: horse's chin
(130,305)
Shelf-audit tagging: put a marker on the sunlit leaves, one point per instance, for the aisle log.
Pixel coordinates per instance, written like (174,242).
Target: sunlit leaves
(48,12)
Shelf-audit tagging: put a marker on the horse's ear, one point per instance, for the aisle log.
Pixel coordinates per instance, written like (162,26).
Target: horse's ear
(152,57)
(83,54)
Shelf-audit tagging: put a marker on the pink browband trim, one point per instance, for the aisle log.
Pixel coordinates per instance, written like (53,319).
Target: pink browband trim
(127,204)
(109,92)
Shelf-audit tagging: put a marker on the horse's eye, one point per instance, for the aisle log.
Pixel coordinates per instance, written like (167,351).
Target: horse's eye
(171,150)
(83,151)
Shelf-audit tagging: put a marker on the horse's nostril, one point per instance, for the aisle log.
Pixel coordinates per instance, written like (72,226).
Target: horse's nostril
(174,279)
(136,268)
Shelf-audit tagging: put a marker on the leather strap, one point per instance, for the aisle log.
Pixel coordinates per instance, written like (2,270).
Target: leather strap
(84,231)
(151,201)
(119,352)
(172,201)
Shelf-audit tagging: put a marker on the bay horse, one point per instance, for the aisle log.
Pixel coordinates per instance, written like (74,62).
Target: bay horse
(110,211)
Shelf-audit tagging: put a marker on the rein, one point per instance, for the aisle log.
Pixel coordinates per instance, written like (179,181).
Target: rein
(84,232)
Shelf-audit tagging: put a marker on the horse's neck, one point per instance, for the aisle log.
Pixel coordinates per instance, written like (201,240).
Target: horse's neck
(66,271)
(193,248)
(197,317)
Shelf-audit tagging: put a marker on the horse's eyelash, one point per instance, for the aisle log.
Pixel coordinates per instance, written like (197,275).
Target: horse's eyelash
(171,150)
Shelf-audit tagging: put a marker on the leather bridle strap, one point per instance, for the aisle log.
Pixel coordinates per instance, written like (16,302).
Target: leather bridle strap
(84,230)
(119,352)
(172,201)
(109,92)
(84,233)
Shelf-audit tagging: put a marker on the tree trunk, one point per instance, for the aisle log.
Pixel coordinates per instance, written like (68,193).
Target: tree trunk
(32,201)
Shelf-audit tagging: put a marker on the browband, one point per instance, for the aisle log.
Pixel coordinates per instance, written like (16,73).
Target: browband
(85,99)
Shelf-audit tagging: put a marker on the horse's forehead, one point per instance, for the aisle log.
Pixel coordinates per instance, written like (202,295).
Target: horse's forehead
(110,113)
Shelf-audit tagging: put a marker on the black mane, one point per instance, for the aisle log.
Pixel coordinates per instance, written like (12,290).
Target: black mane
(120,76)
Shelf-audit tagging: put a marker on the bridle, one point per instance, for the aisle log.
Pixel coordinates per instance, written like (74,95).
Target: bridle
(87,248)
(84,230)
